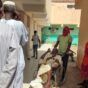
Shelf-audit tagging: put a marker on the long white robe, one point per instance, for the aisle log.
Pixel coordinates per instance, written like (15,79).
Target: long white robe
(22,38)
(9,48)
(20,29)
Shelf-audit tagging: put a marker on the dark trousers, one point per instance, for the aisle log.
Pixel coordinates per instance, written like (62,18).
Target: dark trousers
(65,62)
(35,51)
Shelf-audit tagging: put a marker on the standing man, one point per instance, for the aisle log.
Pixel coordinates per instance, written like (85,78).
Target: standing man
(9,49)
(9,10)
(36,42)
(64,42)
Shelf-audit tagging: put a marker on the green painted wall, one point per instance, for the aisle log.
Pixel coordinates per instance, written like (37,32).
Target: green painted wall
(50,35)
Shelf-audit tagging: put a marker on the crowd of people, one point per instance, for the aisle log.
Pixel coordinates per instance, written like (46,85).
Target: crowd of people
(14,35)
(51,60)
(51,63)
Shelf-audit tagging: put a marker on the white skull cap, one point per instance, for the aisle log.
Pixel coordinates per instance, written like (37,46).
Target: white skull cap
(9,3)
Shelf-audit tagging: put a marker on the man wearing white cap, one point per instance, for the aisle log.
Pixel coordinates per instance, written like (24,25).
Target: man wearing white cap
(9,3)
(9,48)
(9,10)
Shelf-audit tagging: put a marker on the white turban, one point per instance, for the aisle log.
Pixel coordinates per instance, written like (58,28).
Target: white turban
(9,3)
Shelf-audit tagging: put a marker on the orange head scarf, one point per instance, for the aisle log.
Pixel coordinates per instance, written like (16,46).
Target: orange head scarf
(66,31)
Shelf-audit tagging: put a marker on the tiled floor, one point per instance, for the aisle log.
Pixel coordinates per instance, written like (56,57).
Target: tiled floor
(72,76)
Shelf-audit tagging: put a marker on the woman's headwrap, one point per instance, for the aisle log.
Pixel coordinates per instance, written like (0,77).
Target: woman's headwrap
(66,31)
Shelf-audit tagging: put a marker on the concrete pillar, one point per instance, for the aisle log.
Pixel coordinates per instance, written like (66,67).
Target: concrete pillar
(39,31)
(34,25)
(48,9)
(31,31)
(27,46)
(83,33)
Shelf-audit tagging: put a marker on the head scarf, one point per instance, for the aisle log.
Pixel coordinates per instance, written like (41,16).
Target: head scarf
(9,3)
(66,31)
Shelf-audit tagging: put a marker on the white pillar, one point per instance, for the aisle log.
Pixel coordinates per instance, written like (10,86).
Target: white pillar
(83,30)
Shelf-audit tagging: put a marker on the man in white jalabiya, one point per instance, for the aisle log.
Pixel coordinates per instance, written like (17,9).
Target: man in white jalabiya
(9,10)
(9,54)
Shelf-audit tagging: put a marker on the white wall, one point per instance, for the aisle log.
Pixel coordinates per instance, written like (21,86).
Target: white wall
(63,15)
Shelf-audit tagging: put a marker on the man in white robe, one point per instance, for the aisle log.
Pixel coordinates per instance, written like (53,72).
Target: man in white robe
(9,9)
(9,50)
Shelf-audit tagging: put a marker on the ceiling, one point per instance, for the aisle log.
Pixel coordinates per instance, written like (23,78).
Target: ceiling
(37,7)
(28,4)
